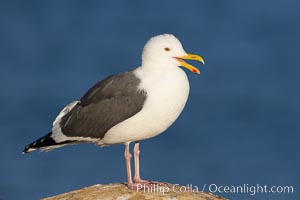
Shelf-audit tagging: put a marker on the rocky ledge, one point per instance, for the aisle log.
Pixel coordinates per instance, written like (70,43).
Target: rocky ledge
(119,191)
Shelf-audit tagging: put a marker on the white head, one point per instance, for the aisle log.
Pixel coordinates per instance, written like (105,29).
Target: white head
(167,51)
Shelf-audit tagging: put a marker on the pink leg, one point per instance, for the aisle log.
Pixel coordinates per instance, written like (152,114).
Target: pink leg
(138,182)
(128,167)
(131,185)
(137,177)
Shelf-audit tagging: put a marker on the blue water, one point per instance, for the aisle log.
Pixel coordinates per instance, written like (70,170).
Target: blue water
(240,125)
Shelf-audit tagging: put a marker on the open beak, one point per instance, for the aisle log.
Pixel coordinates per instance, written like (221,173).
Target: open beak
(188,66)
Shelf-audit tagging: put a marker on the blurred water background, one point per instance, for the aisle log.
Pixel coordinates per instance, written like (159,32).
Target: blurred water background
(240,125)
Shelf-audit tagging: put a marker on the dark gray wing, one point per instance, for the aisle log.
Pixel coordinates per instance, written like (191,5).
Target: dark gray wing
(109,102)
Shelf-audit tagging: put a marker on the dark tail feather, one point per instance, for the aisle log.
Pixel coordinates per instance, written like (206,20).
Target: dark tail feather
(43,142)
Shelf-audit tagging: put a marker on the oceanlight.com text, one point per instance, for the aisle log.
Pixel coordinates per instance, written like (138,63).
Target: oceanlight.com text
(248,189)
(217,189)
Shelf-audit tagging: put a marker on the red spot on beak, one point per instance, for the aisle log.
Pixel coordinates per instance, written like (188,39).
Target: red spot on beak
(194,71)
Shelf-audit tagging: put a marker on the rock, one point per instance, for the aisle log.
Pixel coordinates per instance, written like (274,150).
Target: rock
(120,191)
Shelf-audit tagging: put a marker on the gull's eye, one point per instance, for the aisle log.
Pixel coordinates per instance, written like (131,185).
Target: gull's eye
(167,49)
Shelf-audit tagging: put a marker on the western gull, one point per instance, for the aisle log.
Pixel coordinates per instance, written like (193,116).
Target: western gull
(128,107)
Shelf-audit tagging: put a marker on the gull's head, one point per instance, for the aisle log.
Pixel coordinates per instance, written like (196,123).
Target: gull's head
(167,51)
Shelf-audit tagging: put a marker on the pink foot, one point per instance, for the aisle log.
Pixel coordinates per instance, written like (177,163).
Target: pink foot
(138,180)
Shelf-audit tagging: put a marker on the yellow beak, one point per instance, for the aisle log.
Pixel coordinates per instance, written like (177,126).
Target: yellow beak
(188,66)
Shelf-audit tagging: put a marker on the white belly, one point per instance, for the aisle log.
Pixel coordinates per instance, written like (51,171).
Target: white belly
(167,93)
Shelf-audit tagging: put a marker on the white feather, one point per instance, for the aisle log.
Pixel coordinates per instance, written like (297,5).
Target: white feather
(167,90)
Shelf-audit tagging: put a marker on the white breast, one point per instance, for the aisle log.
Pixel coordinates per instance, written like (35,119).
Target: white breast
(167,93)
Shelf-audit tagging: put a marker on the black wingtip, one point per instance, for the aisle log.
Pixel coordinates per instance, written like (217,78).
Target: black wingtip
(27,149)
(41,142)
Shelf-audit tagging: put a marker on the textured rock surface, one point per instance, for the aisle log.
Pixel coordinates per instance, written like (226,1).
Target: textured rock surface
(119,191)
